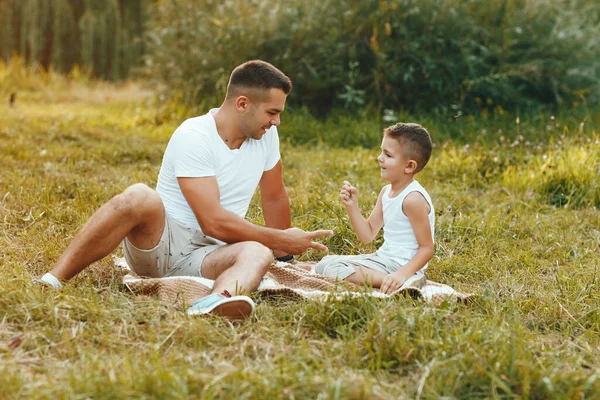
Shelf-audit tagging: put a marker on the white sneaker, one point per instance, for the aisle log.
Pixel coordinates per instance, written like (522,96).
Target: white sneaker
(224,305)
(48,281)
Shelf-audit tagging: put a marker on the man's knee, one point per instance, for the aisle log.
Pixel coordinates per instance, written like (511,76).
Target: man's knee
(257,252)
(138,201)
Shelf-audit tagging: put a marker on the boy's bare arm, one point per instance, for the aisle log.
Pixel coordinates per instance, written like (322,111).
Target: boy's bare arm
(417,210)
(366,229)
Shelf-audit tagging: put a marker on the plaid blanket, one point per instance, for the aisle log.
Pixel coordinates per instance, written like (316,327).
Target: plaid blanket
(283,280)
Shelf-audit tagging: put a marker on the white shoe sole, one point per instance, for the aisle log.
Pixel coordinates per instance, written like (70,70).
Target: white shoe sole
(235,308)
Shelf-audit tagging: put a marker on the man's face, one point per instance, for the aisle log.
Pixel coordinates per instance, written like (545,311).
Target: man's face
(262,112)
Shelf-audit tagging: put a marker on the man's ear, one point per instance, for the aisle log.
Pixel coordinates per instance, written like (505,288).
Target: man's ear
(411,167)
(242,103)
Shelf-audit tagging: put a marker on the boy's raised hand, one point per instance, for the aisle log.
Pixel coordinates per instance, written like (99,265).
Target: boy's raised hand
(349,195)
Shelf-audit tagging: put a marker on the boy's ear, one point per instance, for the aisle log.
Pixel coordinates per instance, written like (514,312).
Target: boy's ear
(411,167)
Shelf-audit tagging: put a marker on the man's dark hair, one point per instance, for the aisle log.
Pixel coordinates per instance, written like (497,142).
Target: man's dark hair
(257,75)
(415,141)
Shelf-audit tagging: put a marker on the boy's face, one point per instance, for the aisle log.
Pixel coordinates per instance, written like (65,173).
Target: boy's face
(392,160)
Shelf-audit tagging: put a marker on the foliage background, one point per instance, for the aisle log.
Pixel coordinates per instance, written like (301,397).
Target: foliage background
(104,36)
(451,56)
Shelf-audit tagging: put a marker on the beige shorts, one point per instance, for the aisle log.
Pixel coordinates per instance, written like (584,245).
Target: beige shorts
(341,267)
(179,252)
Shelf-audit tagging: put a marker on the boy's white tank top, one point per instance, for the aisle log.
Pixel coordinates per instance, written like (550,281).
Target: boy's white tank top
(399,241)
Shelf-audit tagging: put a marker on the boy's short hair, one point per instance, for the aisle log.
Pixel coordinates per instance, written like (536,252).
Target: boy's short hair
(415,140)
(256,76)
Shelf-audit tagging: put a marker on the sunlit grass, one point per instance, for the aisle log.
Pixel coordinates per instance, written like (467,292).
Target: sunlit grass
(517,224)
(565,175)
(34,83)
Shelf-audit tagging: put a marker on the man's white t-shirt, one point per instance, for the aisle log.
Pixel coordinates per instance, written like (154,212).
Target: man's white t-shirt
(196,150)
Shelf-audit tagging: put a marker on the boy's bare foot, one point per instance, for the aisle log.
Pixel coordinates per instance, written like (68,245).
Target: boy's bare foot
(306,265)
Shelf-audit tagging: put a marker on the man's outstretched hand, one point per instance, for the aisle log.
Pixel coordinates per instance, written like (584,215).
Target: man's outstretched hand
(298,241)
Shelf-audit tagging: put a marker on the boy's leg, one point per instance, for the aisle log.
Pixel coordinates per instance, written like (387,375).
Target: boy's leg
(418,280)
(359,269)
(365,275)
(340,267)
(137,213)
(373,270)
(237,267)
(305,265)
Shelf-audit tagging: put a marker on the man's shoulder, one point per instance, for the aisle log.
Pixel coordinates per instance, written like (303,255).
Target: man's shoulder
(199,123)
(196,128)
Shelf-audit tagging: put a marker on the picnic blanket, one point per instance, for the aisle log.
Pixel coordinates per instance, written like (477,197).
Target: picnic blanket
(283,280)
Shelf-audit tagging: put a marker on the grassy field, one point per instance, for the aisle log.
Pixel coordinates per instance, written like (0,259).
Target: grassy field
(517,224)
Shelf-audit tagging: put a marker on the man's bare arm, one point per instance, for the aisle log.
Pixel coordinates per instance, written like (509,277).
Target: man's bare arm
(202,194)
(275,201)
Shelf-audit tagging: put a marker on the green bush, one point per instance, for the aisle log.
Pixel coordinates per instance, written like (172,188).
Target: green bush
(448,55)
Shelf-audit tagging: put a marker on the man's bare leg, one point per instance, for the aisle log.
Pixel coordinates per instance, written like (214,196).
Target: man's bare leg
(237,267)
(137,213)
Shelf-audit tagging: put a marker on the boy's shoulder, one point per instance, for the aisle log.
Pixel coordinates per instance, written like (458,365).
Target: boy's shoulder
(417,199)
(417,187)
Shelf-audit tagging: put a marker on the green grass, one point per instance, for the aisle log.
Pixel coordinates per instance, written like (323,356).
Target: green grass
(517,223)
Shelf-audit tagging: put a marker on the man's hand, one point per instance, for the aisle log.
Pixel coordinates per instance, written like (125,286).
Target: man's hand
(349,195)
(297,240)
(392,282)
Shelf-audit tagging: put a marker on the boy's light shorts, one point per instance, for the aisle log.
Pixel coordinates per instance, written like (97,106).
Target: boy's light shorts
(341,267)
(179,252)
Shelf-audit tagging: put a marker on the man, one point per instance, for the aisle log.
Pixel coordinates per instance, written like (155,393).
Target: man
(194,223)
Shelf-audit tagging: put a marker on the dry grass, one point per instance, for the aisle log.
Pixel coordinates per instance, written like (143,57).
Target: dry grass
(533,333)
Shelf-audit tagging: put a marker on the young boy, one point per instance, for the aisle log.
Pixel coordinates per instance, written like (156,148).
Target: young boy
(404,210)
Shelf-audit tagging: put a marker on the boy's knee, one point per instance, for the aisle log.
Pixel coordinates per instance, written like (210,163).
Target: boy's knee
(320,268)
(330,269)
